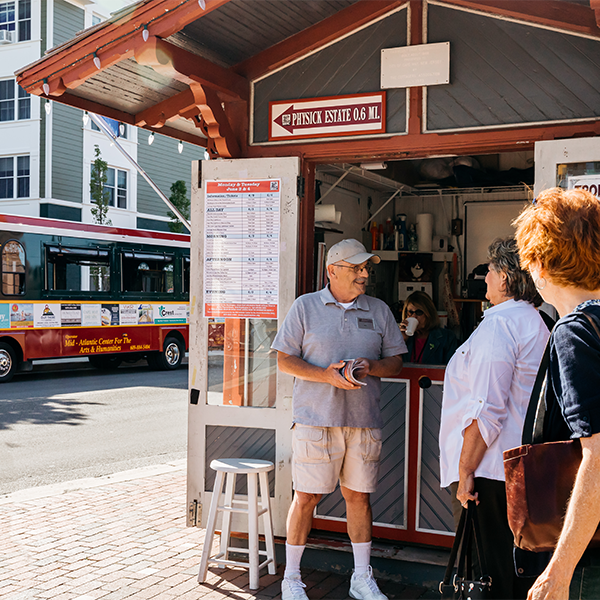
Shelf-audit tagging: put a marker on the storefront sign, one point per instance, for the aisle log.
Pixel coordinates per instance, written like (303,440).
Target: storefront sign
(325,117)
(241,242)
(589,183)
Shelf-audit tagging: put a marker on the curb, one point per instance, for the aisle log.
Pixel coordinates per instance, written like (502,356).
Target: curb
(56,489)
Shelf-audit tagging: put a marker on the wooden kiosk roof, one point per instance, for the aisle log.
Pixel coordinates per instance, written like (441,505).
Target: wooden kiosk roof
(184,68)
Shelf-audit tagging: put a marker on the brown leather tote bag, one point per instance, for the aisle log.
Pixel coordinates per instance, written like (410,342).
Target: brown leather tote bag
(540,476)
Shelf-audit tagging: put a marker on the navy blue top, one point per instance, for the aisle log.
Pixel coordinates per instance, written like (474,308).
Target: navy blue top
(573,388)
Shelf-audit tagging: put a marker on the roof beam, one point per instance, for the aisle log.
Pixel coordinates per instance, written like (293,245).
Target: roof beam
(100,109)
(332,28)
(175,62)
(112,41)
(566,16)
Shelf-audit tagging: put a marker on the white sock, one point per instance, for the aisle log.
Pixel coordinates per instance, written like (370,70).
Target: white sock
(293,556)
(362,557)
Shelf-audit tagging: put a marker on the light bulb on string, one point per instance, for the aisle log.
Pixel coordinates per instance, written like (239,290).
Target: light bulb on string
(202,4)
(47,107)
(145,33)
(121,129)
(151,139)
(180,147)
(85,118)
(46,87)
(97,62)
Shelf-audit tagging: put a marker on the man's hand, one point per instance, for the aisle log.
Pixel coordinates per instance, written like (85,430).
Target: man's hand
(335,378)
(363,367)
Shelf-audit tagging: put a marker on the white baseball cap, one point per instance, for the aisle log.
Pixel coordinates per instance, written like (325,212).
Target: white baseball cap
(351,251)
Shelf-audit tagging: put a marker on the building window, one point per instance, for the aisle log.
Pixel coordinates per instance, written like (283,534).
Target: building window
(13,269)
(118,129)
(116,184)
(14,177)
(7,101)
(96,19)
(17,22)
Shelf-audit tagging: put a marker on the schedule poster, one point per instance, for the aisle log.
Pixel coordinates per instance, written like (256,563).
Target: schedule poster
(241,248)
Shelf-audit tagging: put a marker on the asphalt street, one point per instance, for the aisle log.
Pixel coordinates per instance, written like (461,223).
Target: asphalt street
(61,425)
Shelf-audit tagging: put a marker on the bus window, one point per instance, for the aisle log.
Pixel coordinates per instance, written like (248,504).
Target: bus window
(13,269)
(186,275)
(77,269)
(144,272)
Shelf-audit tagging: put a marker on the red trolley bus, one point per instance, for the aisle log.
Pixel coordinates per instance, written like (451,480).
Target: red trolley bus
(111,294)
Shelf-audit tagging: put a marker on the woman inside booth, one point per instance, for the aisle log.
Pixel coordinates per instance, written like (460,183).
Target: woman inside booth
(431,344)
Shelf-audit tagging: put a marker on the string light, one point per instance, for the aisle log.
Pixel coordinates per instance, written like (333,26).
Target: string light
(202,4)
(180,147)
(46,87)
(47,107)
(145,33)
(151,139)
(97,62)
(121,129)
(85,118)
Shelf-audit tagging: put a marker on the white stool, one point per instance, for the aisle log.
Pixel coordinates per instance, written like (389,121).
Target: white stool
(251,468)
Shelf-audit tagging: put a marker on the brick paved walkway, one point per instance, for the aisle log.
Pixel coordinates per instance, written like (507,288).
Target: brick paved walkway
(128,539)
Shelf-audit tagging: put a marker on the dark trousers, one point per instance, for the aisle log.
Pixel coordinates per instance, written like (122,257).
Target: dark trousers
(496,539)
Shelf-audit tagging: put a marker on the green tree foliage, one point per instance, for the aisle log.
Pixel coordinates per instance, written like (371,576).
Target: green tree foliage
(99,194)
(99,274)
(181,202)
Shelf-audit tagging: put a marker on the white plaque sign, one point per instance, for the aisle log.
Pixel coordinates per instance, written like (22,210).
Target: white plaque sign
(415,66)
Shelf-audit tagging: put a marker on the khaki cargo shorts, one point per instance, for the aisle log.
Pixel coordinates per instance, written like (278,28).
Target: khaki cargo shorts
(323,455)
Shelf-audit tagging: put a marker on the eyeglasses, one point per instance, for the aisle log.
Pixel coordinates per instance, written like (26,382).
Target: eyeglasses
(415,313)
(358,268)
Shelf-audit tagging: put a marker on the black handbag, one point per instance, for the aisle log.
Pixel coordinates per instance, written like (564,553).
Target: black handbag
(462,585)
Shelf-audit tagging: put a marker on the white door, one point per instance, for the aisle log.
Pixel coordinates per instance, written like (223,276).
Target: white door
(568,164)
(243,282)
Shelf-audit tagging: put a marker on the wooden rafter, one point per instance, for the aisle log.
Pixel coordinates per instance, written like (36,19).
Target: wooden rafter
(318,35)
(567,16)
(70,99)
(174,62)
(203,107)
(111,42)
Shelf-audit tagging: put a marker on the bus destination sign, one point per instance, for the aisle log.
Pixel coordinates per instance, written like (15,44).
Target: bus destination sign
(362,114)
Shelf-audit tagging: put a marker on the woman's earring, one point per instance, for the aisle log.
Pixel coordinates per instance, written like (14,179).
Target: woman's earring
(540,284)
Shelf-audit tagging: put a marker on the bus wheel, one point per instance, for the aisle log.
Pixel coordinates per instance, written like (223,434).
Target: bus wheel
(8,362)
(170,358)
(106,363)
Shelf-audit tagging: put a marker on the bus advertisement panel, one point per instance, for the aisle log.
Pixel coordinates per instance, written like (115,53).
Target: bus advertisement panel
(72,289)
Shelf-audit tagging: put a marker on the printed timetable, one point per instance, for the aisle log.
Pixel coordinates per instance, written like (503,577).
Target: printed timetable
(241,248)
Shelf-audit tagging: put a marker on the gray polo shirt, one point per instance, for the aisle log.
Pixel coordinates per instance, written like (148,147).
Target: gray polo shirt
(320,331)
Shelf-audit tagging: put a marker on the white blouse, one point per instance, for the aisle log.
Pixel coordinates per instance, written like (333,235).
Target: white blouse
(489,379)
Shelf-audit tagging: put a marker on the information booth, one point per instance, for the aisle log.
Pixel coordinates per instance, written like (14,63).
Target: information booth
(320,119)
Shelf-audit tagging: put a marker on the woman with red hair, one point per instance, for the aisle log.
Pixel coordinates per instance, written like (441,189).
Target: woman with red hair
(559,243)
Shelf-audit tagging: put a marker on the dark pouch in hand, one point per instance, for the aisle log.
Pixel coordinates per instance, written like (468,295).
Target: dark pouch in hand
(463,584)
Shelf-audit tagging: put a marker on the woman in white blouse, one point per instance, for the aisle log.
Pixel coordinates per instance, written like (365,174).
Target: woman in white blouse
(487,387)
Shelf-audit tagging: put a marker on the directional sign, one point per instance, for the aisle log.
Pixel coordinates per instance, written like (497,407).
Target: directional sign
(326,117)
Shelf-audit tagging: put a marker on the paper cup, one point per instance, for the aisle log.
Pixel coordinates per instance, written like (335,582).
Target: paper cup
(411,325)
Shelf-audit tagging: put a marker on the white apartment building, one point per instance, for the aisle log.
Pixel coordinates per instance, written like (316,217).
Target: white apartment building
(47,149)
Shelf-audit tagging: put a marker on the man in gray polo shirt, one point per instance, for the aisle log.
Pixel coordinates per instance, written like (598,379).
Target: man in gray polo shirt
(337,423)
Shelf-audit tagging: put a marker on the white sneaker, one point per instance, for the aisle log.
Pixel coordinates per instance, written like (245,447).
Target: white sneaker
(292,588)
(364,587)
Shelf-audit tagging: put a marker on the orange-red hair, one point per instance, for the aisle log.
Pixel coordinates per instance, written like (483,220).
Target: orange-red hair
(561,229)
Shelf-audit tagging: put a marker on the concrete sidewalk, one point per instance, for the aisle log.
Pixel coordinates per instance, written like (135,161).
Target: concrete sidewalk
(124,536)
